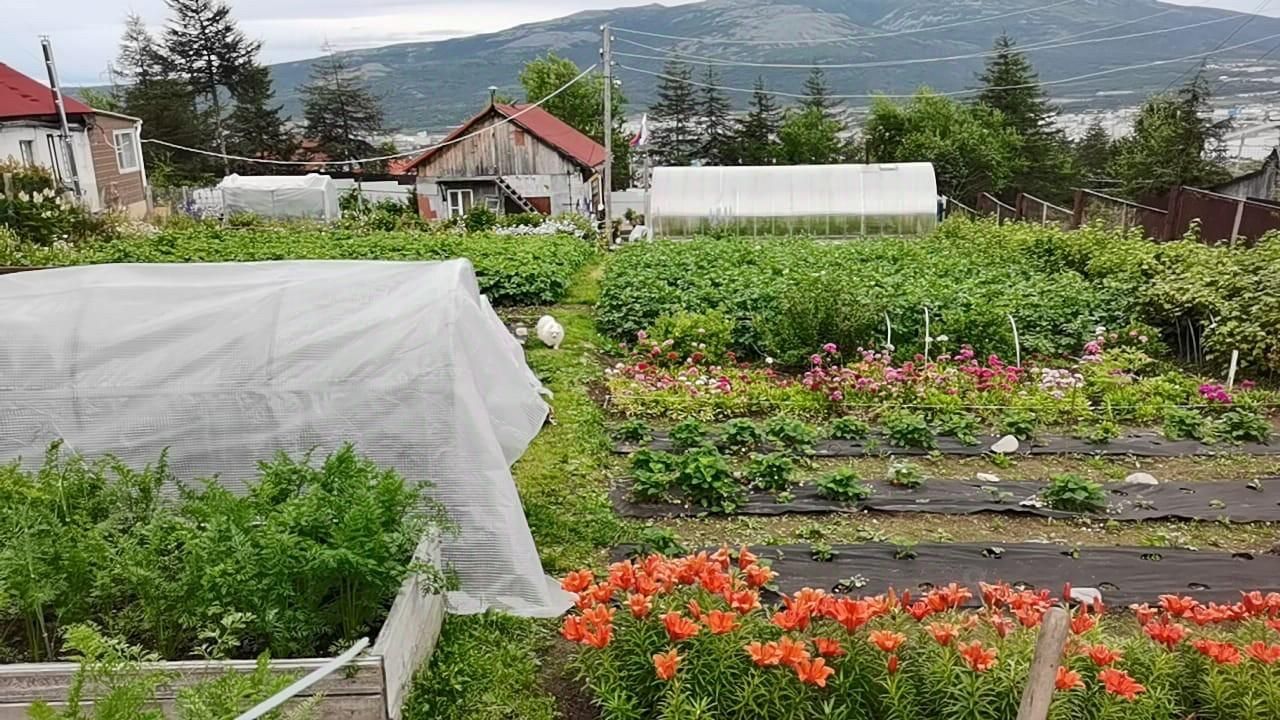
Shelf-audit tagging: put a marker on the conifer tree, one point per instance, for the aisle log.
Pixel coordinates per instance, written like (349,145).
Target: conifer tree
(342,115)
(758,133)
(718,136)
(676,140)
(818,94)
(1093,152)
(255,127)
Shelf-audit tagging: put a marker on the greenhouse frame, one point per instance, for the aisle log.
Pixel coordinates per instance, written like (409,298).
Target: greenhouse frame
(831,201)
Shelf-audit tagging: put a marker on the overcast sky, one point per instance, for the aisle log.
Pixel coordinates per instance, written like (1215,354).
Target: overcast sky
(85,33)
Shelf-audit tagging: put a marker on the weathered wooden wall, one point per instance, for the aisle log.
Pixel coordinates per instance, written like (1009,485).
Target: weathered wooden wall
(504,150)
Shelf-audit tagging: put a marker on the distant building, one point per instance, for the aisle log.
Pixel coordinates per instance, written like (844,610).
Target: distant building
(106,145)
(511,159)
(1261,184)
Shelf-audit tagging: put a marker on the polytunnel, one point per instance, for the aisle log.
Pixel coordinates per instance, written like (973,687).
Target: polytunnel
(223,365)
(779,200)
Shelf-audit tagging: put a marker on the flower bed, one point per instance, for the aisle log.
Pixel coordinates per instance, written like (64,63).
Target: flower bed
(691,637)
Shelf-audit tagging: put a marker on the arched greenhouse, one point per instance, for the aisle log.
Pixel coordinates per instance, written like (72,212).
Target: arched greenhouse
(816,200)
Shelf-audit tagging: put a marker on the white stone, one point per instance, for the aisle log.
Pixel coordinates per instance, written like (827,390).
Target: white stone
(987,478)
(1005,445)
(1141,478)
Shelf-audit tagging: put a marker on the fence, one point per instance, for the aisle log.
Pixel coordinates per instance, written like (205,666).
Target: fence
(1222,218)
(1093,206)
(1033,209)
(990,205)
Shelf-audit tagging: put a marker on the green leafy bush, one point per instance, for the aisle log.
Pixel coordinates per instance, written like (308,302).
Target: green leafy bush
(1072,493)
(99,542)
(849,428)
(905,428)
(688,434)
(1244,423)
(905,474)
(38,214)
(634,431)
(706,480)
(963,426)
(741,435)
(1020,423)
(696,335)
(1099,431)
(843,485)
(479,219)
(653,473)
(790,434)
(511,270)
(773,472)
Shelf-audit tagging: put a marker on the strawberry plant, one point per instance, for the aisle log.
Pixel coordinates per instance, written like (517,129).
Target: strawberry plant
(792,435)
(849,428)
(1019,422)
(688,435)
(963,426)
(634,431)
(843,485)
(773,472)
(905,474)
(1244,423)
(1186,424)
(741,436)
(907,429)
(1072,493)
(706,480)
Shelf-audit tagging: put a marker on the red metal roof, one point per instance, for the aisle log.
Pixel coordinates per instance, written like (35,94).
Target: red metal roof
(21,96)
(542,125)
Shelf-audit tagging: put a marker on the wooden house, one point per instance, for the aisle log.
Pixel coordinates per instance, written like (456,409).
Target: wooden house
(511,159)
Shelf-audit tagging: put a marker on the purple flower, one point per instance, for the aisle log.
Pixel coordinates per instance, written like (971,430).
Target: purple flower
(816,359)
(837,396)
(642,335)
(830,348)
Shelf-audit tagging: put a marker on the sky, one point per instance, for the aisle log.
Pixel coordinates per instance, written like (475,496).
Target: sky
(85,33)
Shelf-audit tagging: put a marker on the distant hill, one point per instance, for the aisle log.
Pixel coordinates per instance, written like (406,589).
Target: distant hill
(432,85)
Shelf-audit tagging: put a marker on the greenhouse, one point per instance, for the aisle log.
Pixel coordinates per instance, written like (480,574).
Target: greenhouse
(816,200)
(222,365)
(280,196)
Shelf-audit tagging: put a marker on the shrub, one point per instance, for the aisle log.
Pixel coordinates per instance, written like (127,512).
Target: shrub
(793,435)
(843,485)
(740,435)
(698,336)
(1244,422)
(849,428)
(653,473)
(479,219)
(963,426)
(1072,493)
(706,480)
(1019,423)
(38,214)
(1186,424)
(905,474)
(772,472)
(907,429)
(688,434)
(634,431)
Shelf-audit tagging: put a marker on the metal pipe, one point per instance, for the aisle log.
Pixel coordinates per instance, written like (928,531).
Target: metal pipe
(304,682)
(49,65)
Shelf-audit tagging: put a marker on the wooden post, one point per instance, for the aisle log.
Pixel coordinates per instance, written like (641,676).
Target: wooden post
(8,184)
(1171,220)
(1018,212)
(1077,210)
(1044,666)
(1235,225)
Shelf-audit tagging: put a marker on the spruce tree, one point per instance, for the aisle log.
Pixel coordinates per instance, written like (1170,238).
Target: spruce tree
(204,46)
(1093,152)
(818,95)
(758,133)
(676,140)
(718,136)
(1010,84)
(255,127)
(341,114)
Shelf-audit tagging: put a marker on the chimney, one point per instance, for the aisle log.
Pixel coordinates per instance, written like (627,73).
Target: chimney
(493,93)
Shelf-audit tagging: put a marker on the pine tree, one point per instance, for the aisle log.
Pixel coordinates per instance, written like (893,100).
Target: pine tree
(255,127)
(1010,84)
(758,133)
(717,122)
(1093,152)
(341,114)
(676,140)
(204,46)
(818,95)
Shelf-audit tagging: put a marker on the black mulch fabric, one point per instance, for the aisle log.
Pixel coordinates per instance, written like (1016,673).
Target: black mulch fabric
(1138,444)
(1123,575)
(1236,501)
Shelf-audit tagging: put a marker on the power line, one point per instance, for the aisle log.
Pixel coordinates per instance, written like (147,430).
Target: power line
(1261,6)
(1048,45)
(380,158)
(854,38)
(1061,81)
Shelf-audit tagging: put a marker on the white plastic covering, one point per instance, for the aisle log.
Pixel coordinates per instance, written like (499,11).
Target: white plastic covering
(283,196)
(817,200)
(226,364)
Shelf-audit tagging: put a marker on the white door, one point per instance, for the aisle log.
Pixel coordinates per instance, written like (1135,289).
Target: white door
(459,202)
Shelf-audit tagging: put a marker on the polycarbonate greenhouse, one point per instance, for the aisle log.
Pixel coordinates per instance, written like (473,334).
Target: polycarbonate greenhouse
(780,200)
(223,365)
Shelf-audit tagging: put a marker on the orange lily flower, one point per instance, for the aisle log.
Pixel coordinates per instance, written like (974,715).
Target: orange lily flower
(887,640)
(943,633)
(814,672)
(1178,606)
(1082,622)
(720,622)
(573,630)
(1101,655)
(759,575)
(791,619)
(640,605)
(920,610)
(1067,679)
(764,654)
(828,647)
(977,657)
(1002,624)
(577,581)
(1165,632)
(665,664)
(1264,653)
(744,601)
(679,627)
(746,558)
(599,637)
(792,651)
(598,615)
(1220,652)
(1145,613)
(1120,684)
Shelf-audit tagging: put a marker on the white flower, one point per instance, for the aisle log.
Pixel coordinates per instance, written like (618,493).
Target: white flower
(942,338)
(768,361)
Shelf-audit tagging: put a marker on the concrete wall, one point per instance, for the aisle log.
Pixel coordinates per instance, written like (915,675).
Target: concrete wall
(13,133)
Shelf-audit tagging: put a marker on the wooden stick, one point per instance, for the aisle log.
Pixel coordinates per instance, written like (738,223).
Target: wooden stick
(1231,374)
(1044,666)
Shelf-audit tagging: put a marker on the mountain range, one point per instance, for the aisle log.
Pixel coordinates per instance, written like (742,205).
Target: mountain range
(434,85)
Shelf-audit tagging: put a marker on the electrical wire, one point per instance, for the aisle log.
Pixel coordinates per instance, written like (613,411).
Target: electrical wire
(854,38)
(1261,6)
(1048,45)
(380,158)
(953,93)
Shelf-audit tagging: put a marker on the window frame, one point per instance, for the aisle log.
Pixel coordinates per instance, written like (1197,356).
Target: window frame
(462,206)
(27,152)
(118,144)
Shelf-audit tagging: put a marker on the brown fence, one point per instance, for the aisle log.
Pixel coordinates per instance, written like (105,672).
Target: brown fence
(1032,209)
(990,205)
(1093,206)
(1222,218)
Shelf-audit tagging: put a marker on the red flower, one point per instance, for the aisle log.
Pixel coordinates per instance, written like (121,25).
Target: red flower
(1264,653)
(995,596)
(1029,616)
(954,595)
(920,610)
(599,637)
(1274,625)
(1144,612)
(851,614)
(640,605)
(598,615)
(1165,632)
(1001,624)
(943,633)
(759,575)
(1101,655)
(715,580)
(679,627)
(720,622)
(978,658)
(1255,603)
(792,651)
(1120,684)
(1082,622)
(744,601)
(577,581)
(814,672)
(695,610)
(887,640)
(573,630)
(1220,652)
(764,654)
(601,592)
(745,558)
(892,664)
(1178,606)
(622,575)
(646,585)
(828,647)
(666,664)
(1067,679)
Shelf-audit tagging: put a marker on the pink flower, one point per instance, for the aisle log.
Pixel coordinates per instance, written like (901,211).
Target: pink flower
(837,396)
(830,348)
(816,359)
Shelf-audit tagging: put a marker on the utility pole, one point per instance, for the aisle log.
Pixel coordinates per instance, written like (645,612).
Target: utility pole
(62,114)
(606,182)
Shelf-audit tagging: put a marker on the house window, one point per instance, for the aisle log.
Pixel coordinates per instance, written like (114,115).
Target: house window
(519,137)
(493,202)
(459,202)
(27,149)
(126,144)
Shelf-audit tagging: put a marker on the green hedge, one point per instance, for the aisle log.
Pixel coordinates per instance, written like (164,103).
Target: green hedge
(788,297)
(511,270)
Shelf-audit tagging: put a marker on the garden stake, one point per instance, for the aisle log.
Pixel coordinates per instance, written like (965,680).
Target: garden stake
(1044,666)
(1231,374)
(927,338)
(888,333)
(1017,344)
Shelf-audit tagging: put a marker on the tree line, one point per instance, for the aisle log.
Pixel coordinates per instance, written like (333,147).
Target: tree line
(199,83)
(1004,141)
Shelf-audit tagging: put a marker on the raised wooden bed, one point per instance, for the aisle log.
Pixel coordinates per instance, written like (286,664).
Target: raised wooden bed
(372,687)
